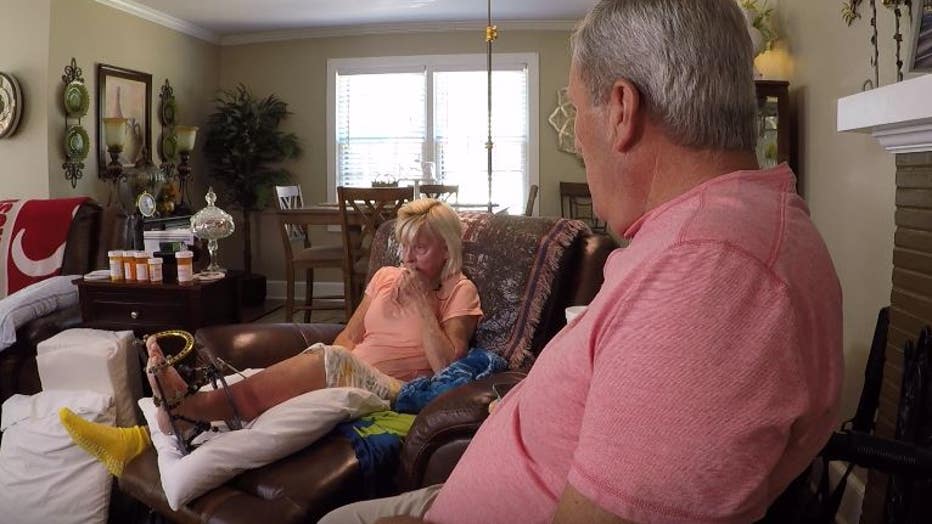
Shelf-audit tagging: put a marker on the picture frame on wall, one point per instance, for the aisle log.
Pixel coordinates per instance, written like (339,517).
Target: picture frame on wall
(124,93)
(920,56)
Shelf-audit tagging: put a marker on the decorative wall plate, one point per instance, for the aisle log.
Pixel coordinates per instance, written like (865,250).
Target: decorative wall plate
(168,111)
(168,147)
(11,104)
(77,143)
(77,99)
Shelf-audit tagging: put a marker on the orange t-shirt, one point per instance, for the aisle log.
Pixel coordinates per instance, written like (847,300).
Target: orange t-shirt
(392,339)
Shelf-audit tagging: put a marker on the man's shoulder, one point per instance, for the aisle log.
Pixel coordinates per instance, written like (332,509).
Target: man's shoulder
(750,211)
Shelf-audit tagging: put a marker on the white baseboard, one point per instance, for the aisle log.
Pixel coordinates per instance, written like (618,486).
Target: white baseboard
(276,289)
(850,510)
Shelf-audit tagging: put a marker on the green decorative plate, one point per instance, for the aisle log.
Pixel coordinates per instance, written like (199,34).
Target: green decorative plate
(168,147)
(77,99)
(77,143)
(168,112)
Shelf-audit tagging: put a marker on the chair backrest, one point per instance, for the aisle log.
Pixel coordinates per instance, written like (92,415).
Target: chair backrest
(531,198)
(290,197)
(440,191)
(370,208)
(576,203)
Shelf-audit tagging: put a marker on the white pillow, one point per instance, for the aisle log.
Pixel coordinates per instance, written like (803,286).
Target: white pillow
(32,302)
(95,360)
(44,477)
(277,433)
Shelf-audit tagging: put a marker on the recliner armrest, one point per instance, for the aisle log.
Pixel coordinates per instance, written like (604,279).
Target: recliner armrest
(261,345)
(450,418)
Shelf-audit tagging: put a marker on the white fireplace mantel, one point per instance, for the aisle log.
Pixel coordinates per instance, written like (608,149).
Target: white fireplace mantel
(899,115)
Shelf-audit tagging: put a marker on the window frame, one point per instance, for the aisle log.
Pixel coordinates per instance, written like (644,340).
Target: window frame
(429,64)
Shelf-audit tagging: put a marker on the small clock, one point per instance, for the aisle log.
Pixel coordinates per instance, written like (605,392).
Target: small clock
(146,204)
(11,104)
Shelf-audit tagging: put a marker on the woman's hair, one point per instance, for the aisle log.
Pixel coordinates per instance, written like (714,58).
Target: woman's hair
(441,221)
(691,60)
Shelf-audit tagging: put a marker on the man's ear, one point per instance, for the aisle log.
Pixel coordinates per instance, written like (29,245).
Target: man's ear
(625,114)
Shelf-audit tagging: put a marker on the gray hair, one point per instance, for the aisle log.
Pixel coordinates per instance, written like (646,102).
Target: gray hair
(691,60)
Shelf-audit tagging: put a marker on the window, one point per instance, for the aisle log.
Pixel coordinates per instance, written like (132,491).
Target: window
(387,117)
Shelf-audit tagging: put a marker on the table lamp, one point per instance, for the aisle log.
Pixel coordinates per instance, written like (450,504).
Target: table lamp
(115,137)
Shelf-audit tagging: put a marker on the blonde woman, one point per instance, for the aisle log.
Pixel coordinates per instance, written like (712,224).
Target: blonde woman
(413,321)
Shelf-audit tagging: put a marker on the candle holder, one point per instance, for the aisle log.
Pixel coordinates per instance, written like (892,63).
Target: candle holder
(114,168)
(185,137)
(184,171)
(115,136)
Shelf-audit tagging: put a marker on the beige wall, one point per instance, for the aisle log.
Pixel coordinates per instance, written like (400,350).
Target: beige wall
(848,178)
(296,71)
(24,46)
(93,33)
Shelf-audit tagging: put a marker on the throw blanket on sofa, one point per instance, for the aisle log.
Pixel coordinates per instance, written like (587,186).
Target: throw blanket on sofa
(32,240)
(476,365)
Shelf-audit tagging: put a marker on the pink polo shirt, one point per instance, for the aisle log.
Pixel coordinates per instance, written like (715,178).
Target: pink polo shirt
(703,378)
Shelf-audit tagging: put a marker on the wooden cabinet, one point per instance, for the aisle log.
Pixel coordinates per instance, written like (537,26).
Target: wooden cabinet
(147,308)
(775,140)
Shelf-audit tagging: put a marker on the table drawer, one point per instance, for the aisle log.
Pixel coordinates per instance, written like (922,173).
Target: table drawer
(139,314)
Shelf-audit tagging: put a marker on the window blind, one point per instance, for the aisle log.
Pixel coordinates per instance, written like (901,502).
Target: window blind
(380,125)
(461,130)
(391,115)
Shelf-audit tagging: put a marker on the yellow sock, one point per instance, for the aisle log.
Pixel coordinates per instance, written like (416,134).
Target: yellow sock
(115,447)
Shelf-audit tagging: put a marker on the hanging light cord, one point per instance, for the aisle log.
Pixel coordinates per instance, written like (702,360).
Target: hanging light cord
(491,33)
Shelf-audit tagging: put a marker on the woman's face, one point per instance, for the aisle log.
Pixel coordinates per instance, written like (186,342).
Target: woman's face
(426,254)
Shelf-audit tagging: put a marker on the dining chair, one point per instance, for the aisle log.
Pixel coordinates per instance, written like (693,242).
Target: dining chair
(370,208)
(304,256)
(576,203)
(442,192)
(531,198)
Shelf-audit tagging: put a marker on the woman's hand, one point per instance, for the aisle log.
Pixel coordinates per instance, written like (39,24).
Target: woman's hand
(412,288)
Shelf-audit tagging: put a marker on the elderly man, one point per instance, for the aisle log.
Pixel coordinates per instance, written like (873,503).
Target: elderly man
(705,375)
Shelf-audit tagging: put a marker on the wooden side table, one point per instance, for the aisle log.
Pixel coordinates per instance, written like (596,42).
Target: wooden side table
(148,308)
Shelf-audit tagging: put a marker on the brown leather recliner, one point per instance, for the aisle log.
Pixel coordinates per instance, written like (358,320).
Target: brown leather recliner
(325,475)
(94,230)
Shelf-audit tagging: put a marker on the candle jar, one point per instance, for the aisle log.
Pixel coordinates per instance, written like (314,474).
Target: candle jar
(129,266)
(116,265)
(185,261)
(142,266)
(155,270)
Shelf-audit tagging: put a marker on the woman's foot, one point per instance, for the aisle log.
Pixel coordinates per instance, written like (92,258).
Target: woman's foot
(114,447)
(166,384)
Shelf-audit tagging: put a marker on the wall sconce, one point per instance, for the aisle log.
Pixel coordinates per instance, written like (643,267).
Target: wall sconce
(185,137)
(115,136)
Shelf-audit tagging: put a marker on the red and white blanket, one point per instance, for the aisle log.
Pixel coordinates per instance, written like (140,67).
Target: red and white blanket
(32,240)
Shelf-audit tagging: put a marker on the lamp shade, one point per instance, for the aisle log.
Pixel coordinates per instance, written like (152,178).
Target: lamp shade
(115,132)
(185,135)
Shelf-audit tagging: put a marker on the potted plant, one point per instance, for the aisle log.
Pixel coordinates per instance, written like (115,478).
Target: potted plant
(244,149)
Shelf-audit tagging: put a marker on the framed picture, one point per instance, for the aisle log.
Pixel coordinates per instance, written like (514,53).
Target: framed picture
(920,56)
(128,94)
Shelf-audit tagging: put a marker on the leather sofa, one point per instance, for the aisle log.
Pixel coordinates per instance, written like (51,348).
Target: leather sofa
(308,484)
(94,230)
